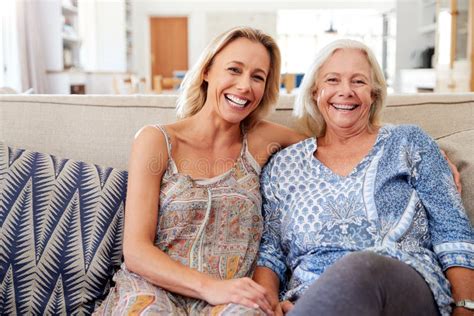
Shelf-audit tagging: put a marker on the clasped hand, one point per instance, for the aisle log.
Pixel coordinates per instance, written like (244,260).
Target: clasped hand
(243,291)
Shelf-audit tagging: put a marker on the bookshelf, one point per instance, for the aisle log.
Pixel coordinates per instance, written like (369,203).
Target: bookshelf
(128,35)
(71,41)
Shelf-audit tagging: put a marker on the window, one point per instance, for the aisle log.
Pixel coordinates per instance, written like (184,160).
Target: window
(302,33)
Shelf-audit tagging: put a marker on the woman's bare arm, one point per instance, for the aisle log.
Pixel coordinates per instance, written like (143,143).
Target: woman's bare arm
(269,280)
(148,162)
(462,287)
(266,138)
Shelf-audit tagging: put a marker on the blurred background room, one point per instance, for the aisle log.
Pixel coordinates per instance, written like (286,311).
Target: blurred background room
(146,46)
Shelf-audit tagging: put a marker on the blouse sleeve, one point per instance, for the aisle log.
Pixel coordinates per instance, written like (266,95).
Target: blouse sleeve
(271,254)
(450,228)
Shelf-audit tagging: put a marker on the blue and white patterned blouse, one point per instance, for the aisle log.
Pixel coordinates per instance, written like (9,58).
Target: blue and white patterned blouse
(399,201)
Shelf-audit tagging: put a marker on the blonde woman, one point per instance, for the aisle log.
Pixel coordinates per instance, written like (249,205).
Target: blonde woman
(193,219)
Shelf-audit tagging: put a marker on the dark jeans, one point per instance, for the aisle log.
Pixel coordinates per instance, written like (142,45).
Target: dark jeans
(364,283)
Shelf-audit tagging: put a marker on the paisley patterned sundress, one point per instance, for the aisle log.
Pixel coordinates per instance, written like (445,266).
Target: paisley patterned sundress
(211,225)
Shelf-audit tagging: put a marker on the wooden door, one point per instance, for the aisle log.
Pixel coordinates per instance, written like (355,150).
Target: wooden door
(169,45)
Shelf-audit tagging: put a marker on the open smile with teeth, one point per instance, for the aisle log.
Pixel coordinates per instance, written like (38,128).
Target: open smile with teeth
(236,101)
(344,107)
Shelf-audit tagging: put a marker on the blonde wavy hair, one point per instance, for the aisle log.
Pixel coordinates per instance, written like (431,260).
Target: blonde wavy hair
(194,88)
(306,109)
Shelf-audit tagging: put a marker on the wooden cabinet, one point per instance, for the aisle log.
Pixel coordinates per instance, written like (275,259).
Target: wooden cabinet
(455,46)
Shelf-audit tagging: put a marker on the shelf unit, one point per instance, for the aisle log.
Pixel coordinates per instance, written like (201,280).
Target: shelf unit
(71,41)
(85,44)
(455,70)
(427,27)
(128,35)
(58,21)
(416,45)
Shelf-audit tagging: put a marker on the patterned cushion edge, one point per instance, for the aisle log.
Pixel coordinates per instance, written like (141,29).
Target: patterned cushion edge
(61,225)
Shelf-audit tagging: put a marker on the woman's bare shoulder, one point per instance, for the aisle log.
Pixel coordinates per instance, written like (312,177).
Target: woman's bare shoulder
(149,145)
(266,138)
(149,134)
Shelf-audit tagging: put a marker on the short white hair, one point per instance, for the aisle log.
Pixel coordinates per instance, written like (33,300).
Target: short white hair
(306,109)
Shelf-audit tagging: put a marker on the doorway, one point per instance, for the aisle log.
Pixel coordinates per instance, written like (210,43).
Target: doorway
(169,46)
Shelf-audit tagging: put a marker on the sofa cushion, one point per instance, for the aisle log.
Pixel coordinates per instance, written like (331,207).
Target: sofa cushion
(458,147)
(60,232)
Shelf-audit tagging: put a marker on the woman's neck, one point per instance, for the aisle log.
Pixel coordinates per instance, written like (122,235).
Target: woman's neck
(342,137)
(209,128)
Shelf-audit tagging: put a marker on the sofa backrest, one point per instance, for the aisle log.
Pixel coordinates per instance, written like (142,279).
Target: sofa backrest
(100,129)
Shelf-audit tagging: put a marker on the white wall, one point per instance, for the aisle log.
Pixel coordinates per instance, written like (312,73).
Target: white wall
(50,23)
(111,56)
(410,40)
(207,18)
(216,22)
(102,28)
(407,26)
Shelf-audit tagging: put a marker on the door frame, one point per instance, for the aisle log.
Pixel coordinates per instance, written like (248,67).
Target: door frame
(147,42)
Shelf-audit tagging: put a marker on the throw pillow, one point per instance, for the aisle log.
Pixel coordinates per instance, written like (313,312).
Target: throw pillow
(61,227)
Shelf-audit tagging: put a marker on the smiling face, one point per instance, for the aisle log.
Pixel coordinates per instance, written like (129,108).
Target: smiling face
(236,79)
(344,91)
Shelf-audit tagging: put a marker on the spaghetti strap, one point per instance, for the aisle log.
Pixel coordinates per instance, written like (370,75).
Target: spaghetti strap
(172,164)
(167,138)
(245,153)
(243,132)
(244,142)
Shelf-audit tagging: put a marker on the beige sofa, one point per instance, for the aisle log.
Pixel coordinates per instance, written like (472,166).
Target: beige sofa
(99,130)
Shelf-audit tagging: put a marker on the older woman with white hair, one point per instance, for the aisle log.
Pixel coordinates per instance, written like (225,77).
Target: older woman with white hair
(362,218)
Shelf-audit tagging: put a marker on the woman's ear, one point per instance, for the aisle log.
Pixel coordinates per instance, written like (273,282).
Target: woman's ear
(314,94)
(205,74)
(374,95)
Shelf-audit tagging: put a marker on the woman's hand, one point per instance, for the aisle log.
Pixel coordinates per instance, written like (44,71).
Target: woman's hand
(286,306)
(454,171)
(283,308)
(459,311)
(243,291)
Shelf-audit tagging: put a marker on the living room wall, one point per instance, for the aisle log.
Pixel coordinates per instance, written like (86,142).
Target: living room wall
(208,18)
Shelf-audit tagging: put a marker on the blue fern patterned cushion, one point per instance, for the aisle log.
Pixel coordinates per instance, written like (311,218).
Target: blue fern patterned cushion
(60,232)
